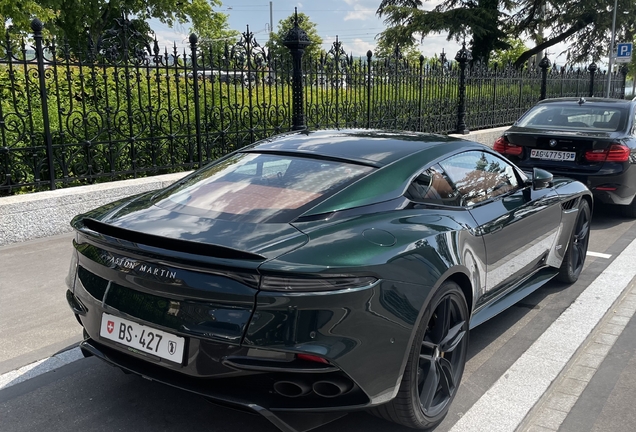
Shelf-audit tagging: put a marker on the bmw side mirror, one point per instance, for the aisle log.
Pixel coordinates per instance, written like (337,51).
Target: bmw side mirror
(541,179)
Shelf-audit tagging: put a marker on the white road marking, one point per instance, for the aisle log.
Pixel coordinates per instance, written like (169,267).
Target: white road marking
(39,367)
(504,406)
(598,255)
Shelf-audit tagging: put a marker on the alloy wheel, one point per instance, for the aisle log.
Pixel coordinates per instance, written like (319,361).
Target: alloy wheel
(579,242)
(441,355)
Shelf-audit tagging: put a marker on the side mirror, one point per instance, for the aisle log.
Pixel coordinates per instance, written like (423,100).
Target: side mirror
(541,179)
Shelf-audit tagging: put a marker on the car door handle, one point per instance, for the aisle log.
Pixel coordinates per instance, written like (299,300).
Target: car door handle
(496,228)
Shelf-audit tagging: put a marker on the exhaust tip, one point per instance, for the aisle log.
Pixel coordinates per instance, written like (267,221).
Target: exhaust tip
(332,388)
(291,388)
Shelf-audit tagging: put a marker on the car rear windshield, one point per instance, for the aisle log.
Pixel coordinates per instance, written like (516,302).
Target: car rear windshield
(588,117)
(258,187)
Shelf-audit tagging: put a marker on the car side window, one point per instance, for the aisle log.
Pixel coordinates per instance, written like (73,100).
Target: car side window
(480,176)
(433,186)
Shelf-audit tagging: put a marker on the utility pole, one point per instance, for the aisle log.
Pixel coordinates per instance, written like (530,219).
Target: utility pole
(271,20)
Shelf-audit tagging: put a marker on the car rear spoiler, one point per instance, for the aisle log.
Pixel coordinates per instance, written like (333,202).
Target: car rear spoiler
(94,228)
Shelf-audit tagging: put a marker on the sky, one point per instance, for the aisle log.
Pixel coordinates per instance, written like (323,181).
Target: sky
(353,21)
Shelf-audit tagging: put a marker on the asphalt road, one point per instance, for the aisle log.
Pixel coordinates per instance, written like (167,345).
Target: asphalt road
(88,395)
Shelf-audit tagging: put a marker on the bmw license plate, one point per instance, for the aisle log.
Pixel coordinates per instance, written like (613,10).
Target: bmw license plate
(553,155)
(142,338)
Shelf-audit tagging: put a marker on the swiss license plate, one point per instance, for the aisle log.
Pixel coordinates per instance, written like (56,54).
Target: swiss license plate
(553,155)
(142,338)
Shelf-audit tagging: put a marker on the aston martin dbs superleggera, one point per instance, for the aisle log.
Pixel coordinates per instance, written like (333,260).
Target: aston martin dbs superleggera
(316,273)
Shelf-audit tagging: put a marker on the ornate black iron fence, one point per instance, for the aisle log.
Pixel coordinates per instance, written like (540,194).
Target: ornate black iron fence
(120,109)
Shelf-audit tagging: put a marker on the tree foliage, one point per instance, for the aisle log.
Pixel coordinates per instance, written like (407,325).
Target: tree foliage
(477,20)
(489,24)
(275,44)
(584,24)
(510,55)
(75,20)
(17,15)
(408,52)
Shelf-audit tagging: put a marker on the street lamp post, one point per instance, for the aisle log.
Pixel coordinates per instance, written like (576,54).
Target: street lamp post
(611,52)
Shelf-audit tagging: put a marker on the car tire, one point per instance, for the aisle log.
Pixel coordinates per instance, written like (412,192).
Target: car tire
(435,365)
(574,257)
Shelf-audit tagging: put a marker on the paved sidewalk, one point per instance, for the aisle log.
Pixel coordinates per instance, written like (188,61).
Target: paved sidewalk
(597,389)
(35,320)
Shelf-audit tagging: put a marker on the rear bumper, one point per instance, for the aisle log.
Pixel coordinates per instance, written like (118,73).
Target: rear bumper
(364,334)
(613,189)
(242,391)
(239,394)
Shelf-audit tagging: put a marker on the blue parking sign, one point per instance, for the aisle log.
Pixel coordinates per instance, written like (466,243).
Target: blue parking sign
(623,50)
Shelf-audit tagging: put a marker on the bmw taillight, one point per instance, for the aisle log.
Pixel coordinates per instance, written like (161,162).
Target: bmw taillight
(614,153)
(504,147)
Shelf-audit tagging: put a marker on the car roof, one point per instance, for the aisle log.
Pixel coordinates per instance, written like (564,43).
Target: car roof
(587,100)
(370,147)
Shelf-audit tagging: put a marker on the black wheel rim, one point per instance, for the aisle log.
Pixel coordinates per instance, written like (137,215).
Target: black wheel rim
(579,242)
(442,355)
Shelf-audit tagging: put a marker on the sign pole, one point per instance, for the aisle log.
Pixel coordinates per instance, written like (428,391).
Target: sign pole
(611,52)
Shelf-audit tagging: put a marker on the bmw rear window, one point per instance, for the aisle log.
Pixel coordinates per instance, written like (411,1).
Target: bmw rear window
(259,187)
(587,117)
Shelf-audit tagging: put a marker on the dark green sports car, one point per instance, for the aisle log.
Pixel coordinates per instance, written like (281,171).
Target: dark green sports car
(317,273)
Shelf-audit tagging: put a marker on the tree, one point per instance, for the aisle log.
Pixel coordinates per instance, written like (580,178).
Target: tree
(510,55)
(76,19)
(584,24)
(275,44)
(17,15)
(480,20)
(408,52)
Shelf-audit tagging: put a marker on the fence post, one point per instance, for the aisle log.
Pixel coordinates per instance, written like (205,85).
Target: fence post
(369,55)
(592,68)
(462,57)
(296,41)
(37,26)
(195,89)
(544,64)
(419,94)
(623,71)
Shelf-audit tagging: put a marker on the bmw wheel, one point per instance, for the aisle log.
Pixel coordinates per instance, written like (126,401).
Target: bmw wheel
(436,363)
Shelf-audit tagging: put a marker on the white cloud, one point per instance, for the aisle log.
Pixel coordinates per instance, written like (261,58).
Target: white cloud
(168,38)
(434,44)
(359,47)
(362,10)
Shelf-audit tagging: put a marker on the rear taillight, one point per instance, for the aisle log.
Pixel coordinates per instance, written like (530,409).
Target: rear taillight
(275,283)
(614,153)
(311,358)
(504,147)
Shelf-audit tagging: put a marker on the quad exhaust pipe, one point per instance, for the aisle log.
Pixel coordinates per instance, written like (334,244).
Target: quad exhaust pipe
(328,388)
(292,389)
(332,388)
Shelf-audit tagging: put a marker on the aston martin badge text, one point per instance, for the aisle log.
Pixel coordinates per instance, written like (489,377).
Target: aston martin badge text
(138,267)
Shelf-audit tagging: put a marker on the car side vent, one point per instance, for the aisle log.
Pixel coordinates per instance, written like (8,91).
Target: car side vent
(570,204)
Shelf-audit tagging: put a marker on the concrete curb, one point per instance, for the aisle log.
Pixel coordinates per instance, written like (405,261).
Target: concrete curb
(485,136)
(42,214)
